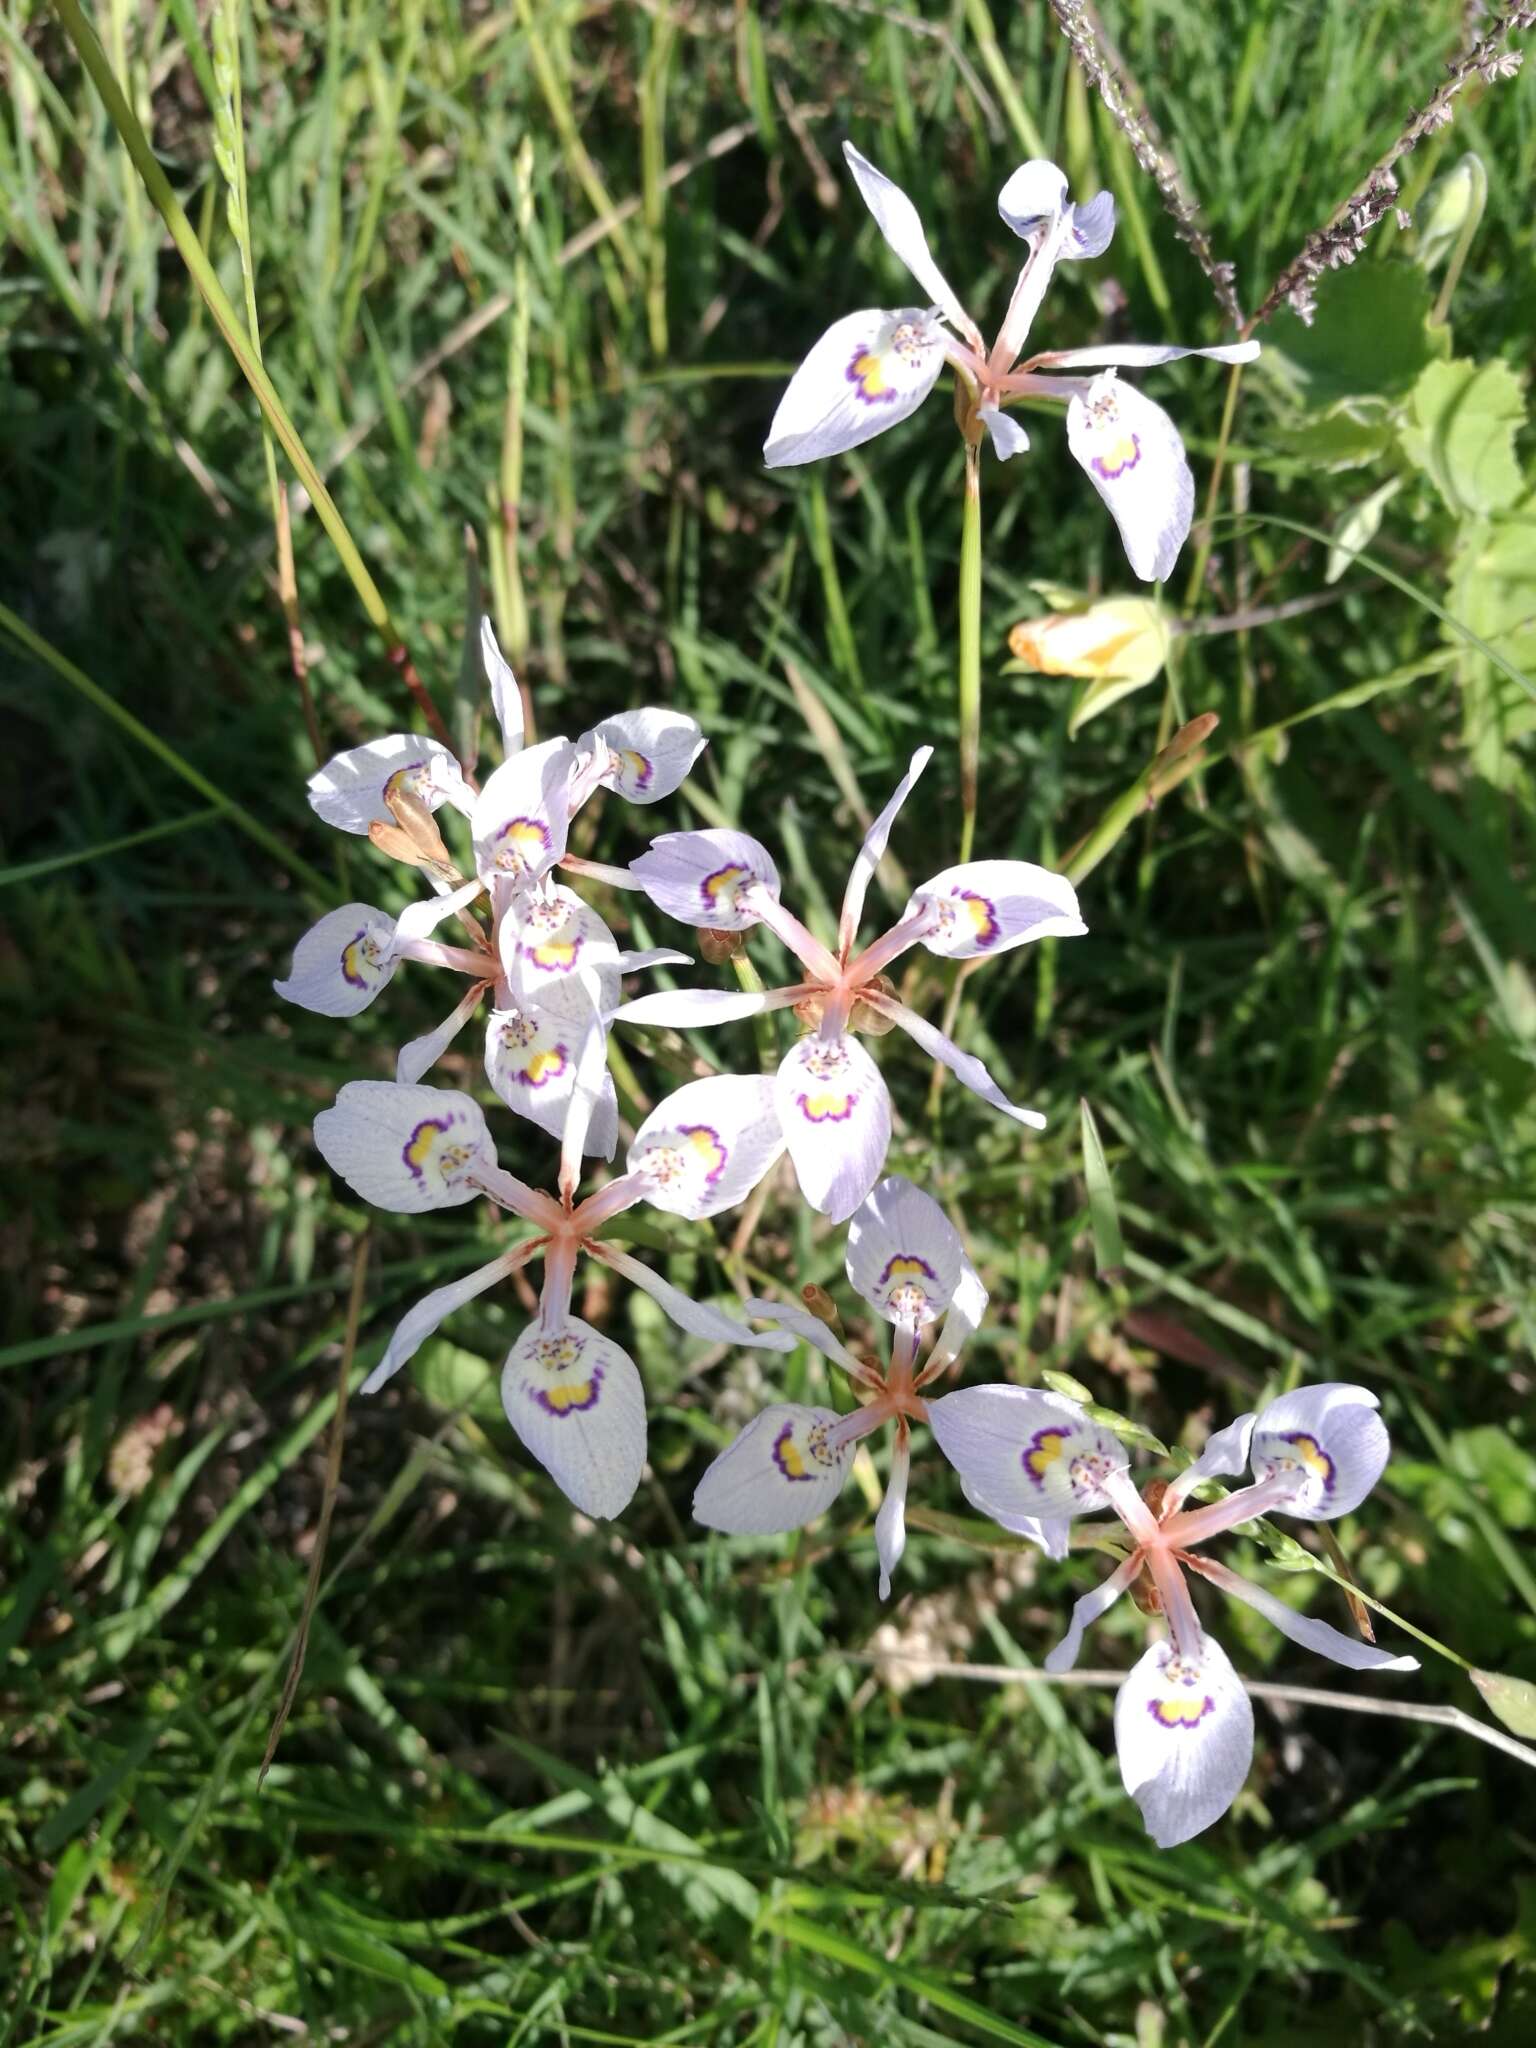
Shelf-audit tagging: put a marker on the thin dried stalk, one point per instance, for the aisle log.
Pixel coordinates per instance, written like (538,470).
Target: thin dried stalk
(1259,1689)
(1105,72)
(1343,237)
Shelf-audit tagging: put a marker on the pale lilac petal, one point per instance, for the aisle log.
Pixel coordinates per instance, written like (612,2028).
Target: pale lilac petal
(1087,1611)
(1184,1732)
(808,1329)
(648,752)
(698,1318)
(352,790)
(1302,1628)
(964,1066)
(1007,436)
(576,1401)
(530,1061)
(1135,461)
(1026,1452)
(652,956)
(419,1055)
(904,1254)
(1034,198)
(1054,1537)
(1225,1454)
(522,815)
(891,1522)
(872,852)
(558,955)
(1141,355)
(836,1116)
(702,878)
(425,1317)
(869,371)
(591,1091)
(966,1309)
(506,697)
(986,907)
(420,919)
(342,962)
(407,1149)
(1329,1440)
(897,219)
(706,1147)
(688,1009)
(780,1473)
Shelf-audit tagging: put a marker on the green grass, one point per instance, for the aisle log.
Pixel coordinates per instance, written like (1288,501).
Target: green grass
(545,1782)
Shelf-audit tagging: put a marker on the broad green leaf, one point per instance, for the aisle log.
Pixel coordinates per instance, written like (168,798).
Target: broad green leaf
(1104,1217)
(1371,337)
(1462,422)
(1512,1699)
(453,1379)
(1345,437)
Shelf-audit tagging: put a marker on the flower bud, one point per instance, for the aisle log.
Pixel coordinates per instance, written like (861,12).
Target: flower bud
(718,947)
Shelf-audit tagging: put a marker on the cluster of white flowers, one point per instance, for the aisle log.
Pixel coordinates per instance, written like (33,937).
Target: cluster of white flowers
(550,972)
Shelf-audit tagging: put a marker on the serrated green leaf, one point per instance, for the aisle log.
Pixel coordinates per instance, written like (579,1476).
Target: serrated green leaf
(1463,418)
(1371,336)
(1513,1700)
(1103,1216)
(1346,437)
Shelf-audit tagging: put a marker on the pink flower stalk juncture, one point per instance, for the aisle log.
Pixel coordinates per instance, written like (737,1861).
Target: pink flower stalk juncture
(791,1461)
(875,367)
(832,1103)
(546,960)
(572,1394)
(1034,1461)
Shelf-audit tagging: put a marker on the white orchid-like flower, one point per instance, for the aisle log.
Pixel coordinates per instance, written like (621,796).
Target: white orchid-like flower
(791,1462)
(872,368)
(833,1105)
(1183,1722)
(571,1393)
(546,958)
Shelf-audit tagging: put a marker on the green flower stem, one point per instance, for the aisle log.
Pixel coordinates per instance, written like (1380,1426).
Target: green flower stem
(240,345)
(763,1028)
(970,648)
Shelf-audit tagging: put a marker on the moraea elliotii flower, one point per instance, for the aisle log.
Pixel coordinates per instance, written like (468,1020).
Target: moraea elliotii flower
(1183,1722)
(571,1393)
(835,1110)
(873,368)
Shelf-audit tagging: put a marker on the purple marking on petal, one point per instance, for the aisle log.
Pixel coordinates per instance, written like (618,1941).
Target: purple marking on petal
(417,1149)
(866,373)
(787,1456)
(570,1397)
(1175,1712)
(358,939)
(1124,455)
(1043,1450)
(905,1262)
(1314,1459)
